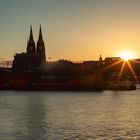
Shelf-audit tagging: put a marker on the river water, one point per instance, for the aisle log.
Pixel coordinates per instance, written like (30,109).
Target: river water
(69,115)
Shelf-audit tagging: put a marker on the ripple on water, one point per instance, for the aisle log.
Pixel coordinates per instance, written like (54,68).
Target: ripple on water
(72,116)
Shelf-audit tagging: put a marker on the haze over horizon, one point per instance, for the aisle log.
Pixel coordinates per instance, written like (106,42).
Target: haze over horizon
(76,30)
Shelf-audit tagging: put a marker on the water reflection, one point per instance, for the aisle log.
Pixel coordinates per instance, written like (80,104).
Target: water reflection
(22,116)
(66,115)
(36,117)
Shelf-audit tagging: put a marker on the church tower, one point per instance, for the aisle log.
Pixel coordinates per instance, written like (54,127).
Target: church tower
(31,43)
(41,47)
(100,60)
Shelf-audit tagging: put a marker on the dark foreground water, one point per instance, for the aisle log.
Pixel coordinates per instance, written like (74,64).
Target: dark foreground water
(69,115)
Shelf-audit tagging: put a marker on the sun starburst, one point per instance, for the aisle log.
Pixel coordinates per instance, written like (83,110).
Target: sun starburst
(127,55)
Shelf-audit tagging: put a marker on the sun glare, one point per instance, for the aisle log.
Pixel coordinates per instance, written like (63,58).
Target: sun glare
(126,55)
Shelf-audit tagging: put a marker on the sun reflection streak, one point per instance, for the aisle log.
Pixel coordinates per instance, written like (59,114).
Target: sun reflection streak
(121,71)
(135,61)
(132,71)
(124,63)
(112,65)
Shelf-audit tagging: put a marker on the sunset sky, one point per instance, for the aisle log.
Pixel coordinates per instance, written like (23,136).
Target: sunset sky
(72,29)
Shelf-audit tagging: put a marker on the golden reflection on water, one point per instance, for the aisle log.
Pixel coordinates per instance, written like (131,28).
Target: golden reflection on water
(69,115)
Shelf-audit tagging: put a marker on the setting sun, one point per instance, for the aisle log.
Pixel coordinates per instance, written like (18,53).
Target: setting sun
(126,55)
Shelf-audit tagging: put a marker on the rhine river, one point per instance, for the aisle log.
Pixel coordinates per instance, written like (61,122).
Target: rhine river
(70,115)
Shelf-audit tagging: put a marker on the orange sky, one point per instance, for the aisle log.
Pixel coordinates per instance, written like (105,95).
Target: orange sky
(74,30)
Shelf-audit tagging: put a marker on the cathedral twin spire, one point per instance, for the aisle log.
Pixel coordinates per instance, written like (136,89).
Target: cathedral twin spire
(40,44)
(31,34)
(40,34)
(31,43)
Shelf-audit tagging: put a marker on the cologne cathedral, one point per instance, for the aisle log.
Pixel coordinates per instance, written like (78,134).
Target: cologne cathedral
(34,58)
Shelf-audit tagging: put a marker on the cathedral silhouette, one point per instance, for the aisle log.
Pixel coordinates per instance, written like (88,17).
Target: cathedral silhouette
(34,58)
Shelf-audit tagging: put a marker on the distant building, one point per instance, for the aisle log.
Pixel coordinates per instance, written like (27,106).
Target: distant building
(110,60)
(34,58)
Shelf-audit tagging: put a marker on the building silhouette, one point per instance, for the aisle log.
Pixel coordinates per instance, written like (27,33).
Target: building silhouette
(34,58)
